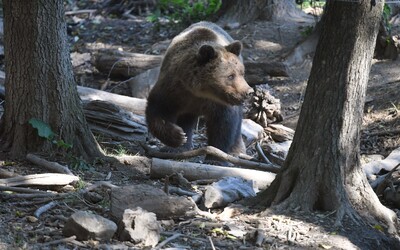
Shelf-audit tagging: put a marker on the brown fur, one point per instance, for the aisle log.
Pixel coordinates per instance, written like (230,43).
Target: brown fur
(201,75)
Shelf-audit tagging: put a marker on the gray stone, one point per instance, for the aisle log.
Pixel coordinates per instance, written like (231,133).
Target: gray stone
(277,151)
(139,226)
(227,190)
(85,225)
(251,131)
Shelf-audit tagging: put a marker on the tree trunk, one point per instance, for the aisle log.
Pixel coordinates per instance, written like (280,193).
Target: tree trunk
(244,11)
(322,169)
(39,81)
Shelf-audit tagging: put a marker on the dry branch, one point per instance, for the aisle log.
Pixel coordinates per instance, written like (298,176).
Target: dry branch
(33,196)
(52,166)
(44,208)
(22,190)
(39,180)
(195,171)
(69,240)
(166,241)
(210,150)
(382,185)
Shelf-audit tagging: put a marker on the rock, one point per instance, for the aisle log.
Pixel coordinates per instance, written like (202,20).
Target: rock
(78,59)
(227,190)
(231,211)
(31,219)
(85,225)
(370,158)
(138,225)
(277,151)
(251,131)
(150,199)
(142,84)
(93,197)
(279,133)
(392,195)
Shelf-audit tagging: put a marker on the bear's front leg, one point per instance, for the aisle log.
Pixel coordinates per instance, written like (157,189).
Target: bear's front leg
(161,124)
(187,122)
(167,132)
(224,124)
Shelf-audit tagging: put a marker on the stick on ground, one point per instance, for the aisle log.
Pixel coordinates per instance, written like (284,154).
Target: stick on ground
(52,166)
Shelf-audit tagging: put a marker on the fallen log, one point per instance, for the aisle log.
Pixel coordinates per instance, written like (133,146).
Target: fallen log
(210,150)
(134,105)
(196,171)
(259,72)
(126,64)
(109,119)
(47,179)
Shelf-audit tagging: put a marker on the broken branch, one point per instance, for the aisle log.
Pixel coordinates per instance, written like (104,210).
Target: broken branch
(52,166)
(210,150)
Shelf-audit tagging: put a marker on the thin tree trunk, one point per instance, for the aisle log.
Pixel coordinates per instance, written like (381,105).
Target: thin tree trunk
(322,169)
(39,80)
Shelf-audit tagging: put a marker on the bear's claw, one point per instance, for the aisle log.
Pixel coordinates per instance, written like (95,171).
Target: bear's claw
(173,136)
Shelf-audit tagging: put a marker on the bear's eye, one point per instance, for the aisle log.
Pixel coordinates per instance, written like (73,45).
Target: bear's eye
(231,77)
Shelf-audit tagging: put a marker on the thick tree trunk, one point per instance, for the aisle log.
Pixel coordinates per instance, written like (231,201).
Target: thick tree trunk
(244,11)
(39,80)
(322,169)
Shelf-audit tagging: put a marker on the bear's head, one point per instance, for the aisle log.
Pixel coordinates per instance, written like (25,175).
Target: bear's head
(220,74)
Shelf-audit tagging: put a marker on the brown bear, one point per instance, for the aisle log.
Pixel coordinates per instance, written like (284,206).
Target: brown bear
(202,74)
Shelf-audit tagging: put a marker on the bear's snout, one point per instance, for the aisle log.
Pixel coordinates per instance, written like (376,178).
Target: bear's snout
(250,91)
(244,89)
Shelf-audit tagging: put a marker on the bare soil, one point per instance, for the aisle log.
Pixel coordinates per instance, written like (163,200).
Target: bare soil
(261,39)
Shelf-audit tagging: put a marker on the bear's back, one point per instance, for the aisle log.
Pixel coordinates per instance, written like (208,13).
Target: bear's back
(203,32)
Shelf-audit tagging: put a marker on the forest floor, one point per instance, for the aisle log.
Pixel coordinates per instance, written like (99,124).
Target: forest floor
(262,40)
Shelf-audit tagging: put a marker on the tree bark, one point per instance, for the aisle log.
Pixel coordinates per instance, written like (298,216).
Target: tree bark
(322,169)
(39,81)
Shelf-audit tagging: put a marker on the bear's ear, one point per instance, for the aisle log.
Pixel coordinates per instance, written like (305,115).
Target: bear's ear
(206,54)
(235,47)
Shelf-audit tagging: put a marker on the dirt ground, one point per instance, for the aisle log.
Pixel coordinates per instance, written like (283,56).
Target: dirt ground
(261,39)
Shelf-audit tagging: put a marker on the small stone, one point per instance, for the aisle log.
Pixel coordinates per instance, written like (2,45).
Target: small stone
(31,219)
(251,131)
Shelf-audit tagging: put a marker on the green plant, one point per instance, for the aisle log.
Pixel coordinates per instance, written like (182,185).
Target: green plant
(80,164)
(120,150)
(184,11)
(387,11)
(44,131)
(307,31)
(80,184)
(310,3)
